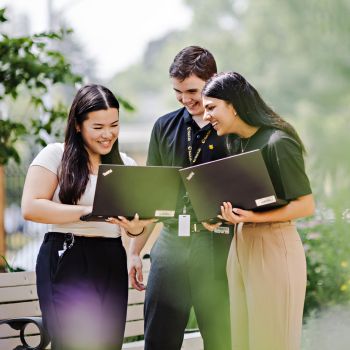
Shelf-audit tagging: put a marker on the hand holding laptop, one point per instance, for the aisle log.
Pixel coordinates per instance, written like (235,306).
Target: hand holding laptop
(235,215)
(134,227)
(123,190)
(242,179)
(211,227)
(230,215)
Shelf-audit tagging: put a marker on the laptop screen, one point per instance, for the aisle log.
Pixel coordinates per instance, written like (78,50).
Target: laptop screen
(149,191)
(241,179)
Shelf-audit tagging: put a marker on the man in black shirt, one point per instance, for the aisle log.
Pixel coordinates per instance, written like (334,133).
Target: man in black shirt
(186,270)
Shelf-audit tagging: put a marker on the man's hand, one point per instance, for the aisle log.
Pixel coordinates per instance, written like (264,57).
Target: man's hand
(135,272)
(134,226)
(211,227)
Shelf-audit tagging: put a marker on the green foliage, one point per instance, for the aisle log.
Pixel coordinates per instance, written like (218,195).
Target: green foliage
(8,267)
(327,246)
(125,104)
(2,16)
(28,61)
(28,64)
(9,134)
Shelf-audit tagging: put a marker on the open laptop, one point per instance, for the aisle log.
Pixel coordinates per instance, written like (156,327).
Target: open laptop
(242,179)
(122,190)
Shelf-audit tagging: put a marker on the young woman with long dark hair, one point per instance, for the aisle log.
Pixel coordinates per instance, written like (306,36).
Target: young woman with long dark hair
(81,268)
(266,267)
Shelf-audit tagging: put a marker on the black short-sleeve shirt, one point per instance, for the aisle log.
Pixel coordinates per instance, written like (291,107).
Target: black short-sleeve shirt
(169,146)
(284,160)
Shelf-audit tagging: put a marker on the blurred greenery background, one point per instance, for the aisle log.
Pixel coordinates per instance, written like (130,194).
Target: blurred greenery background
(297,54)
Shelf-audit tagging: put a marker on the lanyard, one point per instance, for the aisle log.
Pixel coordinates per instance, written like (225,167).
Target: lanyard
(189,145)
(191,158)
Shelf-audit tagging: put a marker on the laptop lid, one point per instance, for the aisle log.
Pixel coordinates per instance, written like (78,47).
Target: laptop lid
(241,179)
(122,190)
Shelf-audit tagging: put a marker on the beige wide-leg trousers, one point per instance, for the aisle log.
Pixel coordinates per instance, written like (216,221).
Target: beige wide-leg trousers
(266,271)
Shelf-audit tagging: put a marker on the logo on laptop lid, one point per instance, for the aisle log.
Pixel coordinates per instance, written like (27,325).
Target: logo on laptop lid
(110,171)
(190,175)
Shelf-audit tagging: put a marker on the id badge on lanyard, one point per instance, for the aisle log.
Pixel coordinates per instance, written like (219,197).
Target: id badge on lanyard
(184,224)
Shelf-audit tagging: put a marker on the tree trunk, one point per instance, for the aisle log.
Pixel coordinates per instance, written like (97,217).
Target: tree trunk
(2,211)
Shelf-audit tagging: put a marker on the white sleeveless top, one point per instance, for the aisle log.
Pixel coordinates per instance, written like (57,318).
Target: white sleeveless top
(50,158)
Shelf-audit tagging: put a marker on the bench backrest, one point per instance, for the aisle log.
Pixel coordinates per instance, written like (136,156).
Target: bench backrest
(18,298)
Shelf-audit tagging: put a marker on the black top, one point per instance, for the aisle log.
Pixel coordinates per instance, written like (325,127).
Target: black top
(169,146)
(284,160)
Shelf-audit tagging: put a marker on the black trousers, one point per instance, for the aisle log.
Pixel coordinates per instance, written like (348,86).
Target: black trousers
(186,272)
(83,294)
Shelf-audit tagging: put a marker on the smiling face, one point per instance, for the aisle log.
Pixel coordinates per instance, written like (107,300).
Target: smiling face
(99,131)
(188,93)
(221,115)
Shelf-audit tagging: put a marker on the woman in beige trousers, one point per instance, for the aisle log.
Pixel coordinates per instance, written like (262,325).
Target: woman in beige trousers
(266,266)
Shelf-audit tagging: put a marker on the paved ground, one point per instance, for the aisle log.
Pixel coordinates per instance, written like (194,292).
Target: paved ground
(329,331)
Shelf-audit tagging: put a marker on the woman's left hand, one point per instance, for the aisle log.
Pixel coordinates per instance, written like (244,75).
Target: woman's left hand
(134,226)
(235,215)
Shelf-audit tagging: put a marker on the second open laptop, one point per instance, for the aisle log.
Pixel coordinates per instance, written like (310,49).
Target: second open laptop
(122,190)
(241,179)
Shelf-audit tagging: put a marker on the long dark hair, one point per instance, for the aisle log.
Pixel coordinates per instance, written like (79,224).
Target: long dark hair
(193,60)
(251,108)
(74,171)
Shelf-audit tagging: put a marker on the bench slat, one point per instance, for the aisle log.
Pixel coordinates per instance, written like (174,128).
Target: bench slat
(146,265)
(133,328)
(29,308)
(19,293)
(135,345)
(17,278)
(193,341)
(134,313)
(136,297)
(11,343)
(6,331)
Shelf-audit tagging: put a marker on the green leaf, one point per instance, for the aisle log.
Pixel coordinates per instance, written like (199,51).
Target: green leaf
(29,65)
(2,15)
(8,267)
(125,104)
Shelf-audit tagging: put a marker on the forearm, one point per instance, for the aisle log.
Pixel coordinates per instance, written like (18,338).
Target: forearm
(48,212)
(137,243)
(301,207)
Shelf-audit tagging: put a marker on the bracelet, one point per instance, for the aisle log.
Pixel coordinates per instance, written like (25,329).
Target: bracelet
(134,235)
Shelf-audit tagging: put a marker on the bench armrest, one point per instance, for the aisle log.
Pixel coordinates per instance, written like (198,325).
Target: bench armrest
(21,323)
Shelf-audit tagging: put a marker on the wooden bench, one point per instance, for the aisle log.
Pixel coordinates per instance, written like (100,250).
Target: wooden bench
(18,299)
